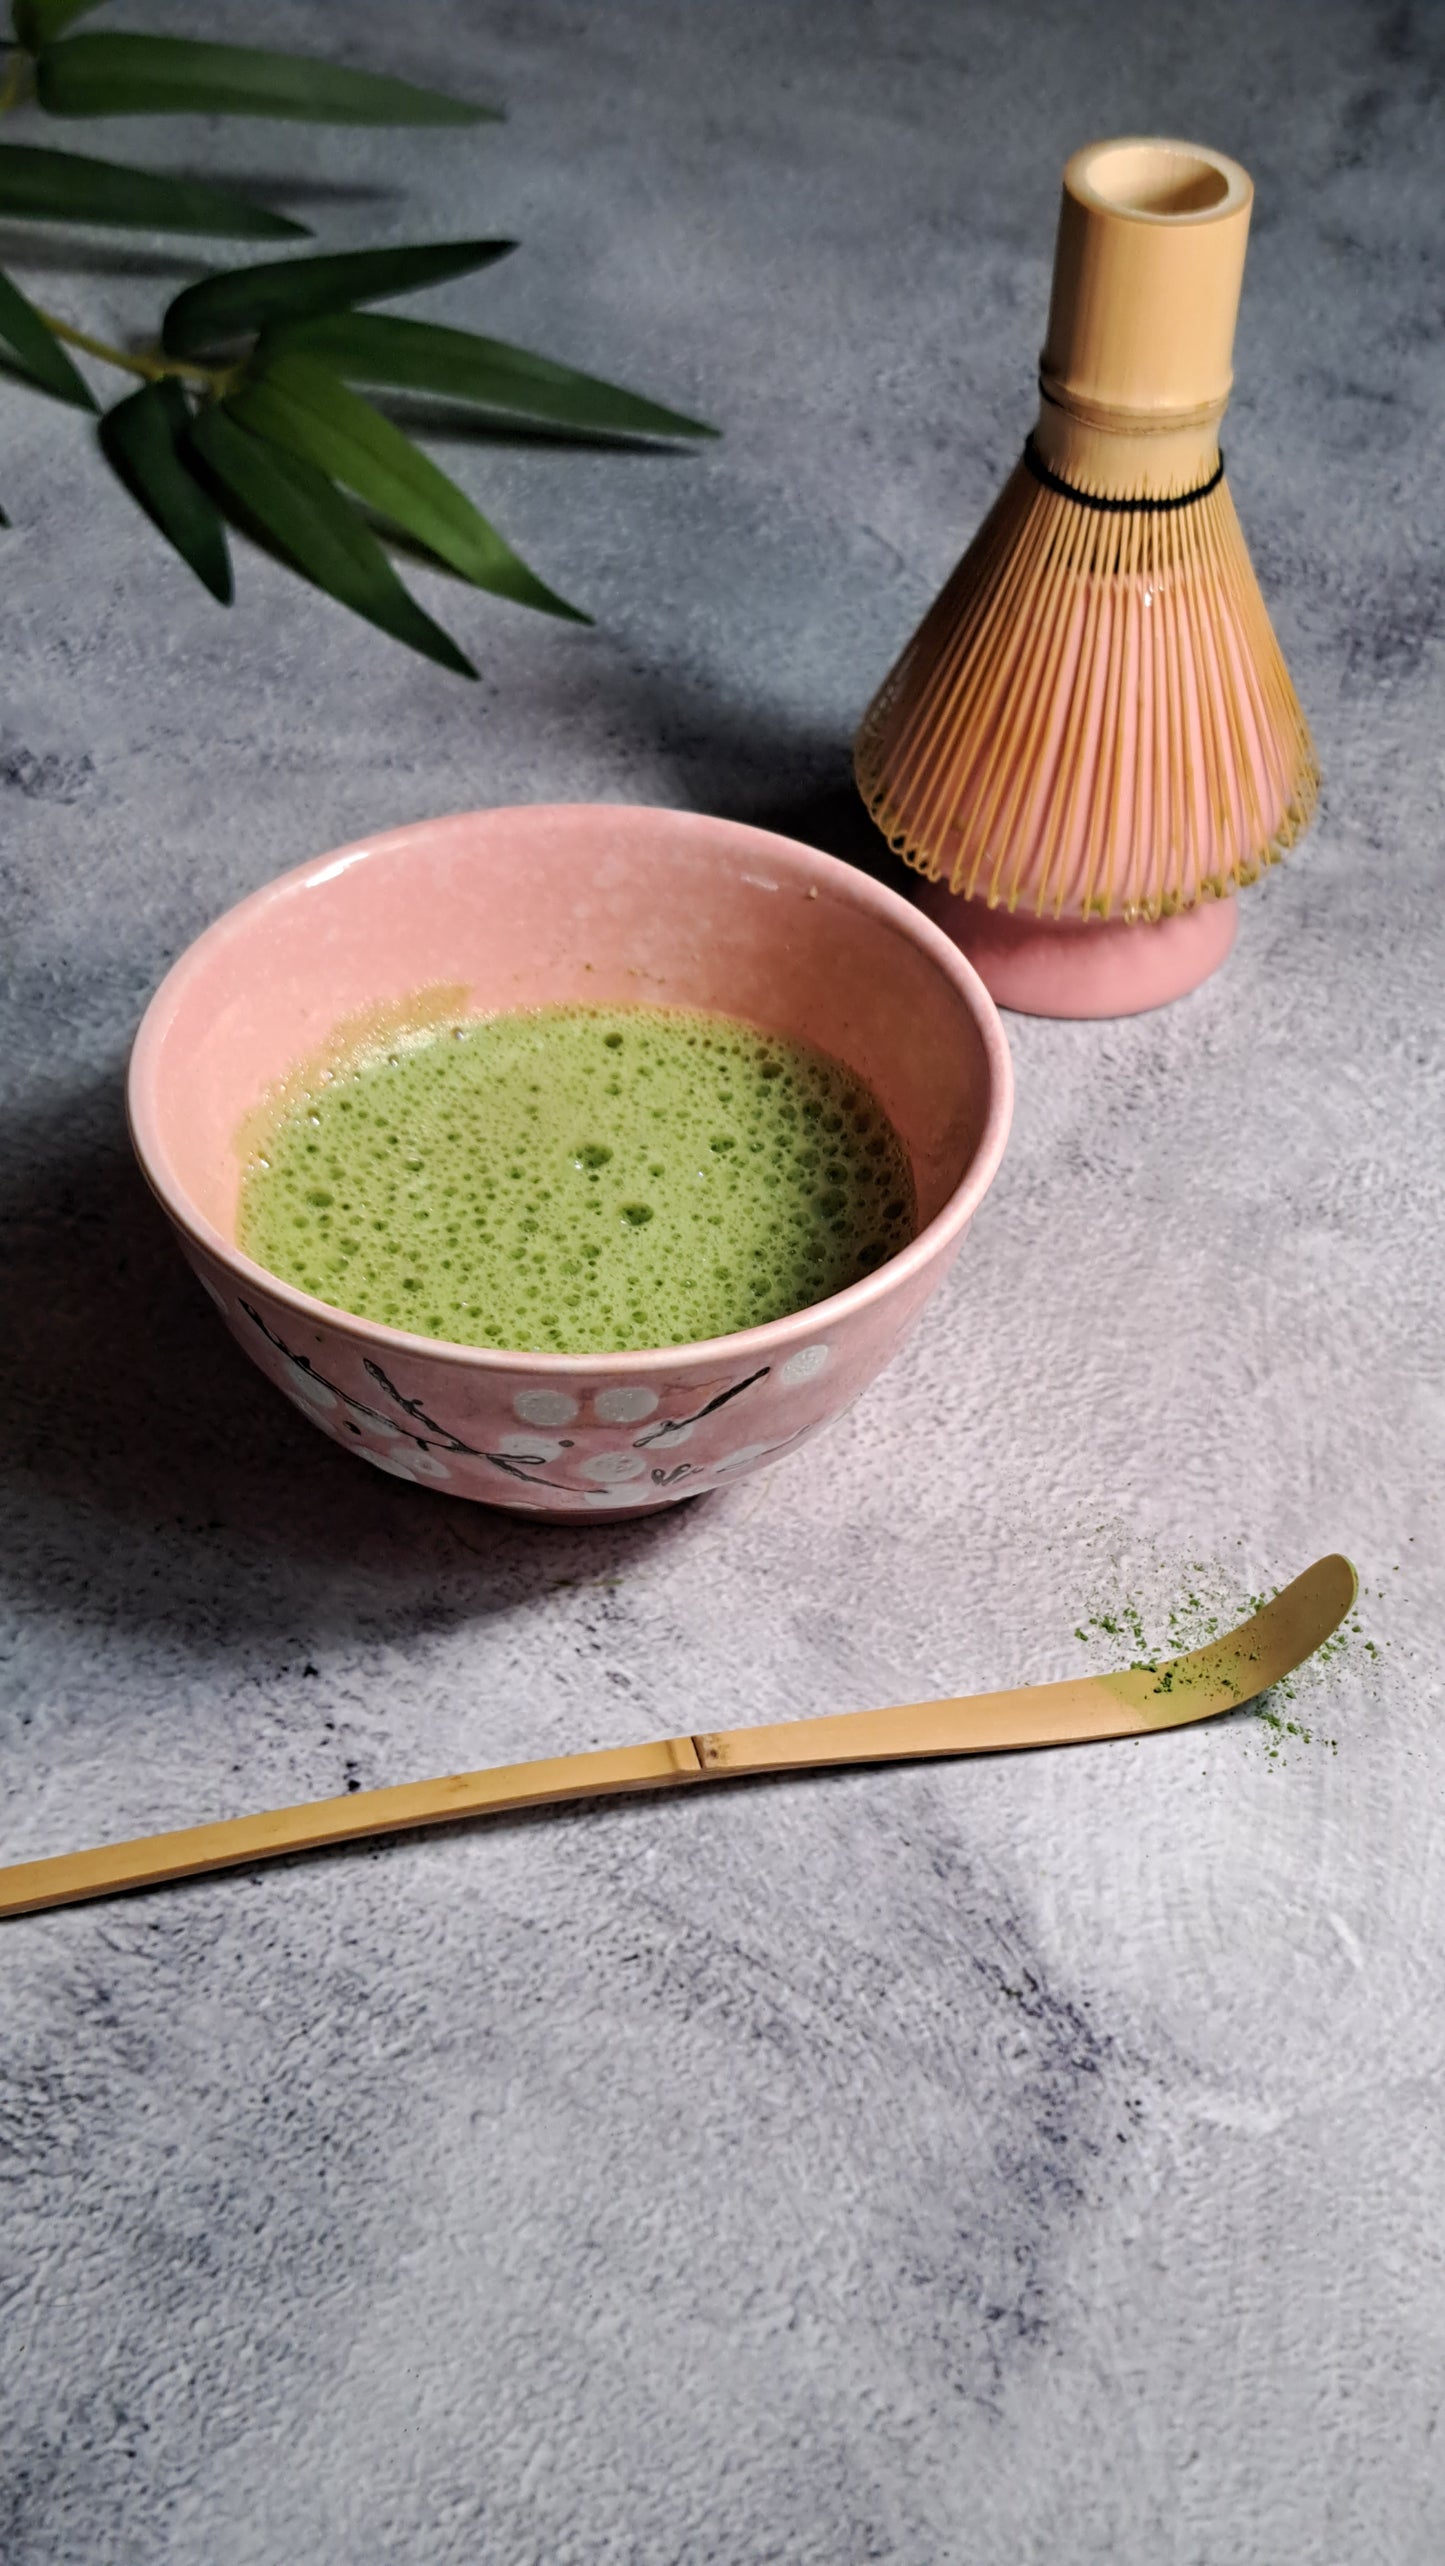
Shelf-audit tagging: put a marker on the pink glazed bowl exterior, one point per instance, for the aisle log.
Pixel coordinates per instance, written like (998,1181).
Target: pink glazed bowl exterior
(545,906)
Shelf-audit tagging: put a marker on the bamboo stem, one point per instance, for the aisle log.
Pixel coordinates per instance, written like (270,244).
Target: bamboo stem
(153,369)
(13,89)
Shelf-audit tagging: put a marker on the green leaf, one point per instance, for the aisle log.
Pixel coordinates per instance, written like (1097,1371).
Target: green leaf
(61,187)
(143,441)
(39,22)
(30,347)
(222,308)
(122,75)
(318,530)
(300,405)
(417,356)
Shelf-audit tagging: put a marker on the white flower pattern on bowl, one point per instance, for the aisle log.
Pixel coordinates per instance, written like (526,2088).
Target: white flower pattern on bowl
(544,1407)
(561,1466)
(626,1405)
(805,1365)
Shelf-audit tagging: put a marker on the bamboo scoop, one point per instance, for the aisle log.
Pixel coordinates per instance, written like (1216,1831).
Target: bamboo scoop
(1137,1700)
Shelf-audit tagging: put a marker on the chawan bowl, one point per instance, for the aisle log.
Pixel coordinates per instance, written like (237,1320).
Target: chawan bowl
(542,906)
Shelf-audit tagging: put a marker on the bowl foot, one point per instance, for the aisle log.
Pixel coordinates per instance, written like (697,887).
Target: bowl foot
(588,1517)
(1084,966)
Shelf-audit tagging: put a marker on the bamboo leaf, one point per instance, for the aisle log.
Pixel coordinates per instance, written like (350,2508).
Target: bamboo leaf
(29,347)
(143,440)
(221,308)
(61,187)
(125,75)
(300,405)
(318,530)
(39,22)
(417,356)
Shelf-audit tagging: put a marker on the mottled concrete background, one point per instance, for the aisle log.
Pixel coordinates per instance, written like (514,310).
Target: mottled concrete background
(1032,2161)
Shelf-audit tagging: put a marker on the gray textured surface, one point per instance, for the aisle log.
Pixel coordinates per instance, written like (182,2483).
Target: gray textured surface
(1032,2161)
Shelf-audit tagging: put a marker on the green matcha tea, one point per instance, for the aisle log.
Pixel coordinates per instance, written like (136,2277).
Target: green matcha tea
(580,1180)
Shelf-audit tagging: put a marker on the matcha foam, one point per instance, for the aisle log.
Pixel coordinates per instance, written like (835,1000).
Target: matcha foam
(580,1180)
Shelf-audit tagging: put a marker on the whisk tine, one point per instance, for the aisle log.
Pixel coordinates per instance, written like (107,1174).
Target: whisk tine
(1070,687)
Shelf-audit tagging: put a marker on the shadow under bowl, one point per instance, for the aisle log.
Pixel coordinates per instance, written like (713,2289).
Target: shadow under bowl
(553,905)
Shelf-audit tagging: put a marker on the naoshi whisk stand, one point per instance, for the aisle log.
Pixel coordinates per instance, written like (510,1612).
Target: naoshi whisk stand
(1092,740)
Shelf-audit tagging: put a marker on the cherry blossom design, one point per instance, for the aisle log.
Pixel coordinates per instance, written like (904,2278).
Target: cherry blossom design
(406,1442)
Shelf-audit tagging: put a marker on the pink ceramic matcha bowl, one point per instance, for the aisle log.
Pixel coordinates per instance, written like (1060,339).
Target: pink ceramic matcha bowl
(546,906)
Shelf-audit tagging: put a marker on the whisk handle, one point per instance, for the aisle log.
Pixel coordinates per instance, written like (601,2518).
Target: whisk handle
(1147,272)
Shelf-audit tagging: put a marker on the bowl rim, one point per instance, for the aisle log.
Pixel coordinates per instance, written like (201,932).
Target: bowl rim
(809,864)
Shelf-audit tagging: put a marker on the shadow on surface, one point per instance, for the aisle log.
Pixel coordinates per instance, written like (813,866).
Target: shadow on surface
(742,762)
(71,251)
(281,191)
(158,1480)
(834,819)
(469,423)
(620,1810)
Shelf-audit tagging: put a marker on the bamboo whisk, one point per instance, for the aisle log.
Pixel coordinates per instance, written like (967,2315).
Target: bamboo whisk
(1092,740)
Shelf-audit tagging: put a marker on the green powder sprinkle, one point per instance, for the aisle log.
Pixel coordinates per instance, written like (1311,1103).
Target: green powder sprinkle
(1170,1615)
